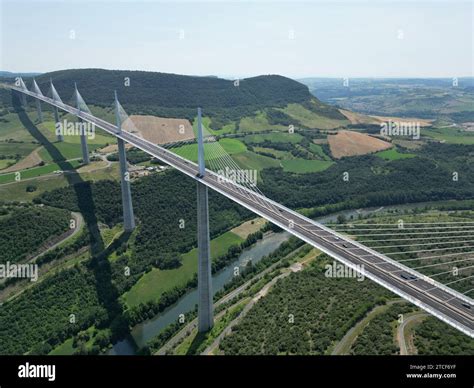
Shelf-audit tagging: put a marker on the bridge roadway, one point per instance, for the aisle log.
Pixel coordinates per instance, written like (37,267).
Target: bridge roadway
(448,305)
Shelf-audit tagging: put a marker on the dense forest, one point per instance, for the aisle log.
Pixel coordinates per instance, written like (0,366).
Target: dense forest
(173,90)
(435,337)
(44,311)
(287,322)
(134,156)
(377,338)
(25,229)
(373,181)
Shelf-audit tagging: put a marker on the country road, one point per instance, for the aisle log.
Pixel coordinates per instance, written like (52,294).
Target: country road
(401,338)
(344,345)
(79,221)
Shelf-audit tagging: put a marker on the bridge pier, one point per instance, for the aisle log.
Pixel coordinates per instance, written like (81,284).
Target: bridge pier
(24,103)
(39,111)
(37,90)
(128,216)
(58,127)
(205,305)
(21,98)
(59,134)
(84,147)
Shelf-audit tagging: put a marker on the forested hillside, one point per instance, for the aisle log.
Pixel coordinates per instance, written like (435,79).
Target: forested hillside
(173,90)
(25,229)
(173,95)
(373,181)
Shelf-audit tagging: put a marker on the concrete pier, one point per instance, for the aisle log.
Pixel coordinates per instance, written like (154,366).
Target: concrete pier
(84,146)
(54,95)
(39,111)
(128,216)
(205,304)
(59,135)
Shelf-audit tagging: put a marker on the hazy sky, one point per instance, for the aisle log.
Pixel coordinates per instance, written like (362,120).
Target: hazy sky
(322,39)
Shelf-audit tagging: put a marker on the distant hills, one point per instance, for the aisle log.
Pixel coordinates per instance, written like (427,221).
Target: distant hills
(8,74)
(141,88)
(446,99)
(267,99)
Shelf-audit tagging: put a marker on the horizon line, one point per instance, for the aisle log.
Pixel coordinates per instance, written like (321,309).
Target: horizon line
(240,76)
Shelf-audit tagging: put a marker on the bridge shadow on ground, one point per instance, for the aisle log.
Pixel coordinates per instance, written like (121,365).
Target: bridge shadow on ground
(100,265)
(197,341)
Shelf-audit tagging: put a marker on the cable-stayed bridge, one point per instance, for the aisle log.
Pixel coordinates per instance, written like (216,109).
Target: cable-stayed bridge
(442,301)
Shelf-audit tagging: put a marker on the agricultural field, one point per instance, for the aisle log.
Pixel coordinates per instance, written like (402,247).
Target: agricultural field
(5,163)
(211,150)
(225,129)
(429,99)
(249,227)
(394,154)
(12,129)
(34,160)
(318,151)
(18,191)
(348,143)
(99,137)
(160,130)
(251,160)
(274,138)
(259,123)
(20,149)
(66,151)
(357,118)
(451,135)
(311,119)
(36,172)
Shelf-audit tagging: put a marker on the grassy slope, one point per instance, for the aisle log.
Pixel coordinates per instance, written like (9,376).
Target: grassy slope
(231,146)
(275,138)
(311,119)
(251,160)
(34,172)
(449,135)
(258,122)
(394,154)
(22,149)
(152,285)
